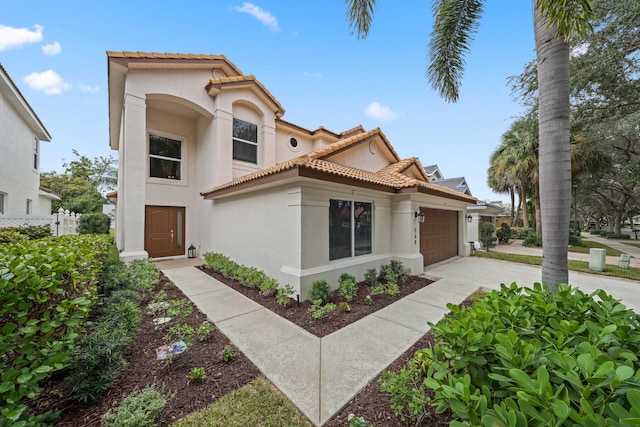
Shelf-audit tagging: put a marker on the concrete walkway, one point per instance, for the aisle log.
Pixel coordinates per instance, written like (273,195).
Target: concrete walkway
(321,375)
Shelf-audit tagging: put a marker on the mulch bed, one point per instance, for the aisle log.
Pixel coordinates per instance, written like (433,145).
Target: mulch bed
(298,313)
(143,369)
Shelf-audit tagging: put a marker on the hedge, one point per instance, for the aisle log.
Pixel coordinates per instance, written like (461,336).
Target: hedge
(47,290)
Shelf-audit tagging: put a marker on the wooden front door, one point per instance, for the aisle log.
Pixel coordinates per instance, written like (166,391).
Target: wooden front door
(438,235)
(164,231)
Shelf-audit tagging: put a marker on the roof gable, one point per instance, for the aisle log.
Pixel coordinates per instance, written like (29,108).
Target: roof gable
(217,85)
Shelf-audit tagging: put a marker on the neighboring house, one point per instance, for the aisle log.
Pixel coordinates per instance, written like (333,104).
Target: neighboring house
(206,159)
(433,172)
(482,212)
(458,184)
(21,132)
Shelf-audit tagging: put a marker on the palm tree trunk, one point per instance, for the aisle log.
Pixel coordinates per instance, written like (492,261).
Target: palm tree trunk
(513,206)
(555,161)
(538,212)
(525,207)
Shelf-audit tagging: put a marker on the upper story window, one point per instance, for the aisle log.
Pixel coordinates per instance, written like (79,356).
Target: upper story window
(2,202)
(165,157)
(245,141)
(36,153)
(29,207)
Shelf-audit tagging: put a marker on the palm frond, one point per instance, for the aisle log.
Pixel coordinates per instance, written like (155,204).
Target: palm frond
(456,22)
(360,15)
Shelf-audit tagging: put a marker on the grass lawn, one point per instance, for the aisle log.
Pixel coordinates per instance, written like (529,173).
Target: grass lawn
(637,245)
(258,403)
(610,270)
(587,244)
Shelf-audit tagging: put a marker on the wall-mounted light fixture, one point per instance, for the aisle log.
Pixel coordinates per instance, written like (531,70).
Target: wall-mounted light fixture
(420,216)
(469,218)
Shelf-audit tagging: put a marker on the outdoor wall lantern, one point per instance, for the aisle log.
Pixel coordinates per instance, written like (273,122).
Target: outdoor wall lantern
(469,218)
(420,216)
(192,251)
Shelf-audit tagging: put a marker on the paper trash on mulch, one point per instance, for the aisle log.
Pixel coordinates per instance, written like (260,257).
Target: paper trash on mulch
(170,350)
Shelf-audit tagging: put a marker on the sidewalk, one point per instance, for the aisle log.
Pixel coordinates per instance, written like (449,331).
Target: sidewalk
(321,375)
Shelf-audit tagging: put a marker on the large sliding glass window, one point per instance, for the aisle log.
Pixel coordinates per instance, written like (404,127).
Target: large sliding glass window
(165,157)
(349,229)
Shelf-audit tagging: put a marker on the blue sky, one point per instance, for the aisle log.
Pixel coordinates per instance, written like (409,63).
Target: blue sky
(303,52)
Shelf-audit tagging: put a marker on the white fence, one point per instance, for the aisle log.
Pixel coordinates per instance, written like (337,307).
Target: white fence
(63,222)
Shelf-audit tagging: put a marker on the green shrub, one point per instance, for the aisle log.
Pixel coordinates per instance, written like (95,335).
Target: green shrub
(318,310)
(180,332)
(392,272)
(504,233)
(283,296)
(575,240)
(377,289)
(143,275)
(11,236)
(528,357)
(47,290)
(371,277)
(197,375)
(268,287)
(613,235)
(123,295)
(228,353)
(139,409)
(204,331)
(344,306)
(348,287)
(94,223)
(533,240)
(521,233)
(179,308)
(320,290)
(30,232)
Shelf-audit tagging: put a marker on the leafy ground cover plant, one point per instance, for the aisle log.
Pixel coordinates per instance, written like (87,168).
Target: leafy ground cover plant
(318,310)
(283,295)
(348,286)
(139,409)
(228,353)
(525,357)
(204,331)
(197,375)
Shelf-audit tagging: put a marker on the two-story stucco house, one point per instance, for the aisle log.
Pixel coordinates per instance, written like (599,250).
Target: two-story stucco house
(205,158)
(21,132)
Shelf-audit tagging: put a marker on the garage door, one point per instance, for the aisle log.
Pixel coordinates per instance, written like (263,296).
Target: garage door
(438,235)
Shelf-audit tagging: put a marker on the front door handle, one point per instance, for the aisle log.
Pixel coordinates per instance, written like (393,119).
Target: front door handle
(172,235)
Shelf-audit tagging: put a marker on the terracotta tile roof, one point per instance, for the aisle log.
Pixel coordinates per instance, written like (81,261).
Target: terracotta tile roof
(352,131)
(218,83)
(391,176)
(308,131)
(185,56)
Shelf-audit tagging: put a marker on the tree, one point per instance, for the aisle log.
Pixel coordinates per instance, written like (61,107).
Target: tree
(516,162)
(82,184)
(456,22)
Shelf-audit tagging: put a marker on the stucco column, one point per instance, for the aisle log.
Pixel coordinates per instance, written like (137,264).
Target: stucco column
(223,130)
(405,235)
(134,146)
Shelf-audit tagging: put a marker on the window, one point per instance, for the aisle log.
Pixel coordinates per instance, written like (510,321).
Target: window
(349,229)
(2,202)
(245,141)
(165,157)
(29,207)
(36,153)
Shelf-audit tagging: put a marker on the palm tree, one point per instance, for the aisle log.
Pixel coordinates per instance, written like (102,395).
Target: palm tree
(516,161)
(456,21)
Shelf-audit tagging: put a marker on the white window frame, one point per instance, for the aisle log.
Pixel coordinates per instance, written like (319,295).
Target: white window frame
(182,161)
(246,141)
(36,154)
(352,231)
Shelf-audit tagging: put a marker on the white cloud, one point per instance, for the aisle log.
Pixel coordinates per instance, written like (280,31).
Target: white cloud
(15,37)
(89,89)
(261,15)
(50,82)
(52,48)
(381,112)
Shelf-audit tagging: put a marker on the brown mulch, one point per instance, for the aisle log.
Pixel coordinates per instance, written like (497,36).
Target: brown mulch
(143,369)
(298,312)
